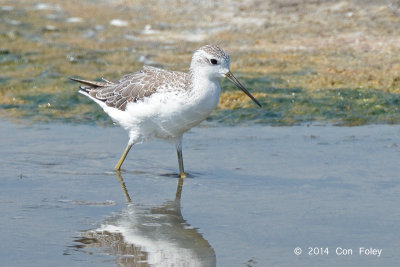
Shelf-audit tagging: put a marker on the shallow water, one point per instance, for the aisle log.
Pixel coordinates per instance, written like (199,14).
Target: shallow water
(255,194)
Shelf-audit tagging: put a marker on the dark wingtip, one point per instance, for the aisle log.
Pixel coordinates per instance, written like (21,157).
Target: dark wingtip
(81,88)
(74,79)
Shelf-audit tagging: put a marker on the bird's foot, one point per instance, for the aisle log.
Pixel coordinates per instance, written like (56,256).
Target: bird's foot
(182,175)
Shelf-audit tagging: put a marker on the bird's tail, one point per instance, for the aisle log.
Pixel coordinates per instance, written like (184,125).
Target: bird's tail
(91,84)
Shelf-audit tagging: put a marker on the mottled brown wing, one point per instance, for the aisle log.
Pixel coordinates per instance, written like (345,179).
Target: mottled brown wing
(136,86)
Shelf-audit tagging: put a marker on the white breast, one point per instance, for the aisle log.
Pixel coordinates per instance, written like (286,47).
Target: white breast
(168,115)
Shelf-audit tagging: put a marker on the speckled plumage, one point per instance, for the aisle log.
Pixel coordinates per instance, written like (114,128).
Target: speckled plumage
(137,86)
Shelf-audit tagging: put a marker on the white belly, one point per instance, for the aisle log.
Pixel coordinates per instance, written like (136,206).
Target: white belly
(165,115)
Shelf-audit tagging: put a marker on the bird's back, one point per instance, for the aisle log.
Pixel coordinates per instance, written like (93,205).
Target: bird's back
(134,87)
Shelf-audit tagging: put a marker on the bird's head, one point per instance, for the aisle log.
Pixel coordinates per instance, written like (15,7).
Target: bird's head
(213,62)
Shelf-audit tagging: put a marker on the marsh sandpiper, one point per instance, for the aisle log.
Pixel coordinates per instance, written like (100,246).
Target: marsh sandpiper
(156,103)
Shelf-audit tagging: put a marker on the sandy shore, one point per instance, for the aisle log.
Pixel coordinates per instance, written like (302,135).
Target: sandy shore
(311,45)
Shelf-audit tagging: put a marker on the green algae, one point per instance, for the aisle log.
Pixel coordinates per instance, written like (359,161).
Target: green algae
(281,106)
(301,72)
(290,106)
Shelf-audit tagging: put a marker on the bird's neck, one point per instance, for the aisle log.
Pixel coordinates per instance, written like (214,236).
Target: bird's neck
(200,78)
(204,88)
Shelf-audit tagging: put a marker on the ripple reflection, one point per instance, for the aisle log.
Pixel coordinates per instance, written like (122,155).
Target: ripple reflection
(150,236)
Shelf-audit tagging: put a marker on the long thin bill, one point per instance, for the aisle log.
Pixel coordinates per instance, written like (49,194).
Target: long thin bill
(232,78)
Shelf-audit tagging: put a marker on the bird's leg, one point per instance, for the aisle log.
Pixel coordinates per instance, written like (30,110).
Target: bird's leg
(121,160)
(128,198)
(182,173)
(179,190)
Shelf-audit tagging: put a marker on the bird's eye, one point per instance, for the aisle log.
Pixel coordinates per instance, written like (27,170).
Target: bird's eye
(213,61)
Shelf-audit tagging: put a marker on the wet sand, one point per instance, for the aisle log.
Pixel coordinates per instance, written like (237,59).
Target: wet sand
(255,193)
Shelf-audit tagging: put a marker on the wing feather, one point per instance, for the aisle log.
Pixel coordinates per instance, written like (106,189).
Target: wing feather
(134,87)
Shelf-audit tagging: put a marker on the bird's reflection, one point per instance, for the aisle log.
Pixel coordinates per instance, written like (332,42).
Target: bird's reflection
(150,236)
